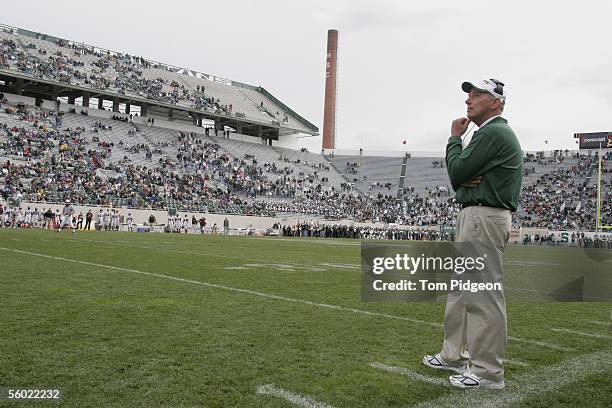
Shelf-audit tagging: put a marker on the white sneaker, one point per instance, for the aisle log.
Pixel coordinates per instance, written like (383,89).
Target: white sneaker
(439,364)
(471,380)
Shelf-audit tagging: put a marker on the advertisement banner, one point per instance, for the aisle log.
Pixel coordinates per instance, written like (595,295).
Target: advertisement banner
(595,140)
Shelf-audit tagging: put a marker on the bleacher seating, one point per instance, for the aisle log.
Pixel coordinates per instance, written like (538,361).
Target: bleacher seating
(134,76)
(122,164)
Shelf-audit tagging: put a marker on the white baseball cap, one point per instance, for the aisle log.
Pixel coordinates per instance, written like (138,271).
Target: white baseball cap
(492,86)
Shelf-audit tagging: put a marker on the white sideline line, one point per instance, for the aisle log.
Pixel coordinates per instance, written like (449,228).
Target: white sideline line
(410,374)
(299,400)
(540,381)
(230,288)
(540,343)
(598,322)
(579,333)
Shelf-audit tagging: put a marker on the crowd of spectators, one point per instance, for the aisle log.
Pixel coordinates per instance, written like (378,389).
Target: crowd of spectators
(62,163)
(306,229)
(565,197)
(47,162)
(579,239)
(104,70)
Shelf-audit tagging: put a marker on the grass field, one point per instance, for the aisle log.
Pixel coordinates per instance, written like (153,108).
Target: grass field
(148,320)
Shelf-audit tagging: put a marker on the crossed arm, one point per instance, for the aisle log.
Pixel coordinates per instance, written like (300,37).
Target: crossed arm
(465,166)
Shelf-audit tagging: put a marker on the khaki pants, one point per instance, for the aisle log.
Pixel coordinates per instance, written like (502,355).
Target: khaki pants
(475,323)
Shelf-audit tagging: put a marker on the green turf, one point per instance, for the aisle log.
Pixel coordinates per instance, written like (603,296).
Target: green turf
(116,338)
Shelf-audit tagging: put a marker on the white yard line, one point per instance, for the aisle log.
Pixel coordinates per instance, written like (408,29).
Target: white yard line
(230,288)
(522,387)
(540,343)
(579,333)
(599,323)
(299,400)
(515,362)
(413,375)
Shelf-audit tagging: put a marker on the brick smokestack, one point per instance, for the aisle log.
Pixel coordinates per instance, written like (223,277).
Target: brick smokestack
(329,115)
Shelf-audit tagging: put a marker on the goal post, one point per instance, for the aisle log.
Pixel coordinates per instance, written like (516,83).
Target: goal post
(600,226)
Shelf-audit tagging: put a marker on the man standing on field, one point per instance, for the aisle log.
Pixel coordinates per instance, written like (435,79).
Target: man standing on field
(486,176)
(67,214)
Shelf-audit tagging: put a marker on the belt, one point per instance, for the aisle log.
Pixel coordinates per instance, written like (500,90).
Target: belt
(479,205)
(466,205)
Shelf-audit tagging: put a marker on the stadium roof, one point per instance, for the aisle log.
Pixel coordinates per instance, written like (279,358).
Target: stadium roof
(241,104)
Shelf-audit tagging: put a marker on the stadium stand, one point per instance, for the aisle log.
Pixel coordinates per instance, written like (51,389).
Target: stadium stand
(90,67)
(95,161)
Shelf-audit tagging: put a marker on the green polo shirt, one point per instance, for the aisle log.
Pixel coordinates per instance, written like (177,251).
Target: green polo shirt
(493,153)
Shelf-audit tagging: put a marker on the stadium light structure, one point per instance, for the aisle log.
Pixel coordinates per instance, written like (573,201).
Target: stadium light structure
(599,226)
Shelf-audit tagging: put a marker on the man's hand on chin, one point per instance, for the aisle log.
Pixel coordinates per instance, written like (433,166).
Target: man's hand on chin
(459,126)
